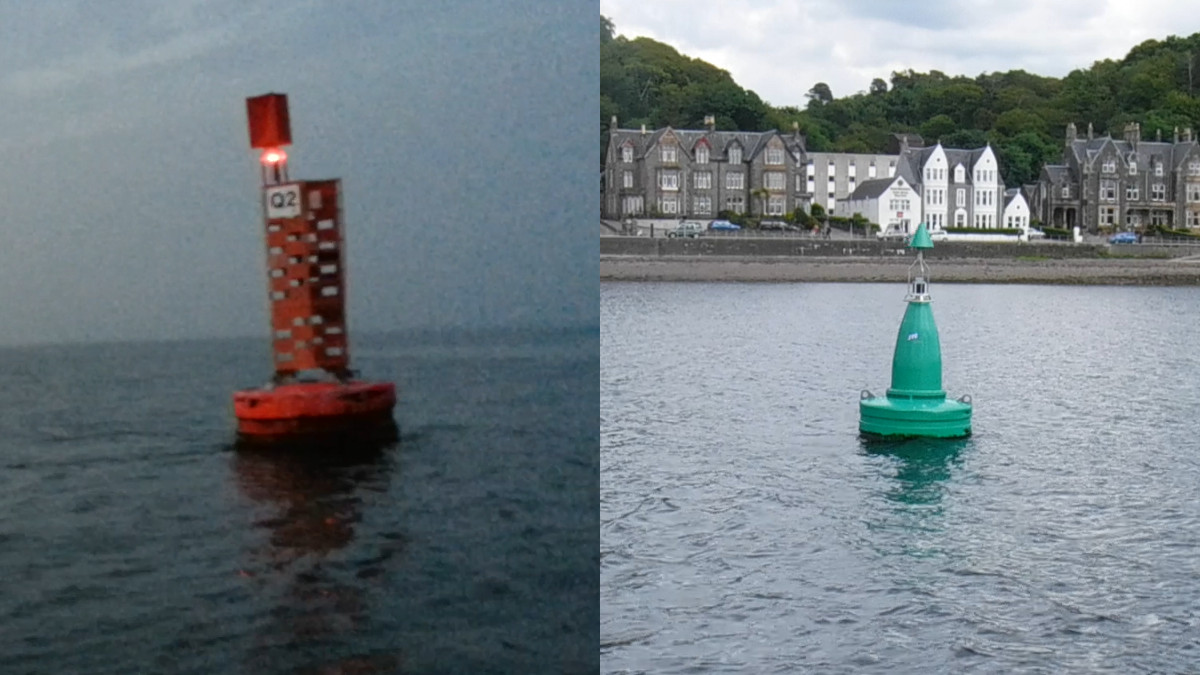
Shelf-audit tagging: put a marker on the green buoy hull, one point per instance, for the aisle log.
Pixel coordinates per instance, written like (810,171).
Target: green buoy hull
(894,418)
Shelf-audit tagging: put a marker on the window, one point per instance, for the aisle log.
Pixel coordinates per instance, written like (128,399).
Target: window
(1193,193)
(1132,168)
(775,206)
(1193,218)
(627,154)
(871,170)
(891,169)
(702,205)
(627,179)
(702,180)
(735,156)
(1194,168)
(668,154)
(1133,219)
(737,204)
(1110,166)
(962,195)
(669,180)
(1066,191)
(832,168)
(1158,169)
(774,156)
(668,205)
(1108,215)
(1108,191)
(735,181)
(960,218)
(812,185)
(960,174)
(1131,193)
(774,180)
(702,154)
(632,205)
(1158,192)
(1158,218)
(799,187)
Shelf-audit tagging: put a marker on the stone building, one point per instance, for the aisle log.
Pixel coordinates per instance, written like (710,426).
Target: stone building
(1121,184)
(699,173)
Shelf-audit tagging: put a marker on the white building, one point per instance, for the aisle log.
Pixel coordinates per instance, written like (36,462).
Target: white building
(831,176)
(1016,210)
(960,188)
(891,203)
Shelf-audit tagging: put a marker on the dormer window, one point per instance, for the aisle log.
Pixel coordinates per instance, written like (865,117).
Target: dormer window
(1158,169)
(627,154)
(1194,168)
(735,155)
(774,156)
(668,154)
(960,174)
(1132,168)
(702,154)
(1110,166)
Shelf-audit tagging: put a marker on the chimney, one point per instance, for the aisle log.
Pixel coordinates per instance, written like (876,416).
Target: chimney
(1070,132)
(1187,134)
(1176,134)
(1089,131)
(1158,134)
(710,122)
(795,128)
(643,128)
(612,124)
(1133,134)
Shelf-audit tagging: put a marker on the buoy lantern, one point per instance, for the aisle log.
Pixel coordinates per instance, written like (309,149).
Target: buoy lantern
(916,405)
(313,394)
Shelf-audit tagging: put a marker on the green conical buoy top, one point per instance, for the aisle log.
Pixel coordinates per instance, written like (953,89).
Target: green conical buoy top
(921,238)
(917,361)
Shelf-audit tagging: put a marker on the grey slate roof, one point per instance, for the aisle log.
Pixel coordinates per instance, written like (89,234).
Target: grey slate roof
(870,189)
(752,142)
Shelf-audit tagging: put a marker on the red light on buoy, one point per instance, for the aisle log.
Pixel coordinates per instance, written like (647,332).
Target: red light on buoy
(273,156)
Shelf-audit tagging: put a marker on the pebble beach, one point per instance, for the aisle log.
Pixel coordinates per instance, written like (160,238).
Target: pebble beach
(1090,271)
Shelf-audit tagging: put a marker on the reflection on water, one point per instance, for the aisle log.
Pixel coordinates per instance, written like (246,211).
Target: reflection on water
(309,559)
(922,466)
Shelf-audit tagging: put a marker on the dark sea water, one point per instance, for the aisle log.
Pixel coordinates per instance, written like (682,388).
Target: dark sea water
(746,528)
(135,539)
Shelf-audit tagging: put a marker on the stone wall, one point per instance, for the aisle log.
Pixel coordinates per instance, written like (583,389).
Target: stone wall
(802,246)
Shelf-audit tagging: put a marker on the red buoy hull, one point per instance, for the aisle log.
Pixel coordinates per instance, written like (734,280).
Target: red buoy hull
(307,410)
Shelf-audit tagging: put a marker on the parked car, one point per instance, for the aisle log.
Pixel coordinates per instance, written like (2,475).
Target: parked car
(777,225)
(939,235)
(1035,233)
(689,229)
(723,226)
(1123,238)
(891,232)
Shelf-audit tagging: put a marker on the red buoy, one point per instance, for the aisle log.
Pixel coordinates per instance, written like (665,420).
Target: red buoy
(313,393)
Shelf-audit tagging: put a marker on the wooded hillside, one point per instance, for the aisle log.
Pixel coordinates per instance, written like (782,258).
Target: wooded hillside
(1022,115)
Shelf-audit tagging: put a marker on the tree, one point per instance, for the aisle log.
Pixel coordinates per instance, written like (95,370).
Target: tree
(938,127)
(820,94)
(607,29)
(878,87)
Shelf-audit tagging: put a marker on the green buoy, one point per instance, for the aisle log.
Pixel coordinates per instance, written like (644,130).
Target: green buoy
(916,405)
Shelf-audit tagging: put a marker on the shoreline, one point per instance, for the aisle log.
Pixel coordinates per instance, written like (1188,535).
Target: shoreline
(876,269)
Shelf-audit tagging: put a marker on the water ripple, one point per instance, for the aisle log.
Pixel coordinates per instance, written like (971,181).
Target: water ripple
(745,528)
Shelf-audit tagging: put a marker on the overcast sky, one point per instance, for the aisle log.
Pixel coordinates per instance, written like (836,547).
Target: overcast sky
(781,48)
(462,130)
